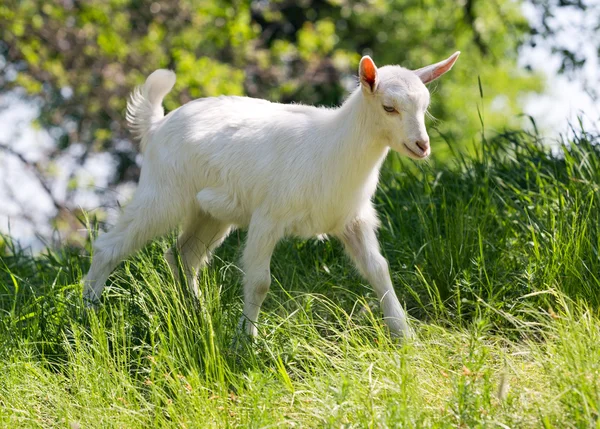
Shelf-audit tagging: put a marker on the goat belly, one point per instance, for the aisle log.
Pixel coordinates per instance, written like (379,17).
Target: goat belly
(312,223)
(220,205)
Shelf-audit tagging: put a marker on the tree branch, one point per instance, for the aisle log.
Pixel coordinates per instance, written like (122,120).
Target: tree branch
(37,171)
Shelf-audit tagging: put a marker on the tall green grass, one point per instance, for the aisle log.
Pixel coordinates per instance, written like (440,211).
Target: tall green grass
(495,255)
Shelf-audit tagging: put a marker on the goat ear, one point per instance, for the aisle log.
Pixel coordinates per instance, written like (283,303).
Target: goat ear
(432,72)
(367,72)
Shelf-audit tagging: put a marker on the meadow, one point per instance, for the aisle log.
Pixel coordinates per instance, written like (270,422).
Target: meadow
(495,255)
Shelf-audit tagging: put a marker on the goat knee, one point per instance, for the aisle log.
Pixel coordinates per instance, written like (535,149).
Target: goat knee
(257,285)
(379,265)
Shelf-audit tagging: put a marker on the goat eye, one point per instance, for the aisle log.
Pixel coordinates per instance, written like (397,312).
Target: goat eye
(389,109)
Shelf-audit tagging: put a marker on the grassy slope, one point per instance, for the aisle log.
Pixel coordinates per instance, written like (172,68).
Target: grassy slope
(496,257)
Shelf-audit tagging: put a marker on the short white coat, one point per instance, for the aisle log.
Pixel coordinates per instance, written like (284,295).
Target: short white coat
(235,162)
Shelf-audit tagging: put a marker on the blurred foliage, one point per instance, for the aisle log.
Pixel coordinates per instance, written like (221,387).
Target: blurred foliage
(82,58)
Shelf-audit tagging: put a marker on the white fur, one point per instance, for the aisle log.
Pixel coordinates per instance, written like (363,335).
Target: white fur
(227,162)
(145,105)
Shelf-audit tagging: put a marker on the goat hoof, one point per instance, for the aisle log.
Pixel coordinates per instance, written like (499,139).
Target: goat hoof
(91,303)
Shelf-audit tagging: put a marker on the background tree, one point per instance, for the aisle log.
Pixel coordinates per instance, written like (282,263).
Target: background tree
(80,59)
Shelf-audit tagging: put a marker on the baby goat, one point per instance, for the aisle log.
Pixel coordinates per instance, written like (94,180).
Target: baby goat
(228,162)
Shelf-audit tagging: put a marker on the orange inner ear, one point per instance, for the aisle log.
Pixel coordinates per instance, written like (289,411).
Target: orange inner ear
(443,68)
(432,72)
(369,72)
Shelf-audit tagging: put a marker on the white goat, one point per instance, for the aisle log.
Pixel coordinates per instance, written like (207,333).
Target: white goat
(228,162)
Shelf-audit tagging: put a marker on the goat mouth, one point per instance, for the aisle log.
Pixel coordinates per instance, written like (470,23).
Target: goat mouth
(417,155)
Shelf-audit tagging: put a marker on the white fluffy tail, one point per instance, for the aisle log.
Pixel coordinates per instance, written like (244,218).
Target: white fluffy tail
(145,104)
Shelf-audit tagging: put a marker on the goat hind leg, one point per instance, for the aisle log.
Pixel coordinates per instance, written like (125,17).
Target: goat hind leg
(201,234)
(142,220)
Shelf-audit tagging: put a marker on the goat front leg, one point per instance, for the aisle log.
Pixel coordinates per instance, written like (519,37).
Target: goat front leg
(361,244)
(256,261)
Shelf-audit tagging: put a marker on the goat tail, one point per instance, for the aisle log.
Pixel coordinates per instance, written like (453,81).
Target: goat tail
(144,107)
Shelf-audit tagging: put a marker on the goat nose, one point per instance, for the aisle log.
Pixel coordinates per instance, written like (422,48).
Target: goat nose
(423,145)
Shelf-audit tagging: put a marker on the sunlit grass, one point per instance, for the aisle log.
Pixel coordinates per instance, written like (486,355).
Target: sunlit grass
(495,256)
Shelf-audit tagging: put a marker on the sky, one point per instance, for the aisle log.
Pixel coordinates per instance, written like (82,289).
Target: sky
(565,100)
(25,207)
